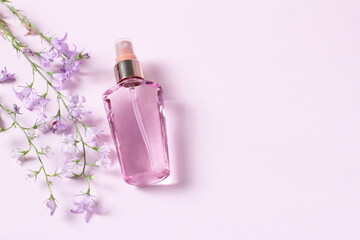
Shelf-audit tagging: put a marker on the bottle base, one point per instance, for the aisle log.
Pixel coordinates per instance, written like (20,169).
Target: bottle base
(148,178)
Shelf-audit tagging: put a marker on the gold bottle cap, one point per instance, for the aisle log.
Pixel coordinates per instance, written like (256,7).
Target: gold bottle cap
(127,64)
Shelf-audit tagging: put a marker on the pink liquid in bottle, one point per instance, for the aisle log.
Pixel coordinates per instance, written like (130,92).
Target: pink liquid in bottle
(136,116)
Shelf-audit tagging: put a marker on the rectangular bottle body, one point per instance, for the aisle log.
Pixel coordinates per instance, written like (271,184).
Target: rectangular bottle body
(135,112)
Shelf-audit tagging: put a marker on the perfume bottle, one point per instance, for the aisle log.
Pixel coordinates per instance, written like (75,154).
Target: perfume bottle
(135,112)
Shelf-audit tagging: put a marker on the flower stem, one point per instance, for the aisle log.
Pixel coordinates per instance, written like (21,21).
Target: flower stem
(36,68)
(23,19)
(31,27)
(12,115)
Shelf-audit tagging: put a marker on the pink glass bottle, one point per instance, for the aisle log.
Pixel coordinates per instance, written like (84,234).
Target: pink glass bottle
(136,116)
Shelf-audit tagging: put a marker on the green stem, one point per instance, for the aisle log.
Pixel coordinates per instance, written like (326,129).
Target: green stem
(17,44)
(12,115)
(78,133)
(5,129)
(23,19)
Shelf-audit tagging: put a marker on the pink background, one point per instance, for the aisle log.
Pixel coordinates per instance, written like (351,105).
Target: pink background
(263,106)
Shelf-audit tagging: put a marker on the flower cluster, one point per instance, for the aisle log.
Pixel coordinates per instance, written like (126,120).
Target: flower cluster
(83,149)
(85,205)
(76,104)
(71,59)
(32,101)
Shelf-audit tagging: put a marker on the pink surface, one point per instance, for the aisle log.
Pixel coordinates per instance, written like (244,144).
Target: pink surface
(263,118)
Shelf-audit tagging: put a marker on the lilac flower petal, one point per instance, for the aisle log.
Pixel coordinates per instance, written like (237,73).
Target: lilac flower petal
(62,47)
(64,38)
(71,65)
(68,169)
(46,58)
(5,76)
(23,94)
(16,109)
(57,125)
(59,78)
(51,205)
(79,208)
(68,146)
(84,206)
(92,135)
(32,101)
(28,52)
(76,105)
(88,214)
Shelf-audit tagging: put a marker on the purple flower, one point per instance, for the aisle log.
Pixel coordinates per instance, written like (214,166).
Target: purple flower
(16,109)
(57,126)
(51,204)
(38,104)
(30,30)
(5,76)
(32,101)
(59,79)
(85,206)
(48,57)
(62,47)
(71,65)
(84,56)
(24,93)
(76,105)
(27,51)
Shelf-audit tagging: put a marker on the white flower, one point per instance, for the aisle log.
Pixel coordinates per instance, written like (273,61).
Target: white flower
(75,106)
(99,162)
(46,150)
(103,156)
(104,150)
(67,170)
(102,163)
(18,155)
(33,133)
(68,146)
(91,135)
(32,174)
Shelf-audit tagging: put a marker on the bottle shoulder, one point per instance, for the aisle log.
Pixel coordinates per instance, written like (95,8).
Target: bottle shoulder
(131,83)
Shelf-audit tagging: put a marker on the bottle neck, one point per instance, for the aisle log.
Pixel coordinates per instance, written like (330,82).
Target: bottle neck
(131,82)
(129,68)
